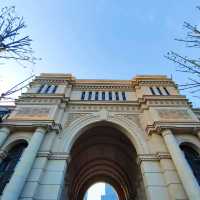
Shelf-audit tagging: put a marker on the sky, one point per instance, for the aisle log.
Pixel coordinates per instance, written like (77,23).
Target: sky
(96,191)
(102,39)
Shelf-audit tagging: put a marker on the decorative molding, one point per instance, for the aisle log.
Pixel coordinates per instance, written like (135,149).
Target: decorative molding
(152,157)
(31,113)
(31,125)
(110,107)
(54,155)
(158,127)
(38,99)
(72,117)
(132,117)
(174,114)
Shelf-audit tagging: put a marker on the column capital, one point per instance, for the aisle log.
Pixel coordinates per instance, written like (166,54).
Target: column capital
(3,154)
(5,130)
(40,129)
(166,132)
(198,133)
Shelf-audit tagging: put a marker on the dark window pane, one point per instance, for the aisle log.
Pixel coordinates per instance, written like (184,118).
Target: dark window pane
(103,96)
(90,96)
(47,89)
(54,89)
(167,92)
(159,91)
(152,91)
(117,96)
(193,159)
(124,96)
(8,165)
(40,89)
(83,96)
(110,96)
(96,96)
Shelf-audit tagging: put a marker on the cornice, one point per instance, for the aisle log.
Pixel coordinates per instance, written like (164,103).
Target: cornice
(152,80)
(152,157)
(148,101)
(54,155)
(177,127)
(31,125)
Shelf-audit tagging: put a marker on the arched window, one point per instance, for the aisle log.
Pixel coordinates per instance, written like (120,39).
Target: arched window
(8,165)
(193,159)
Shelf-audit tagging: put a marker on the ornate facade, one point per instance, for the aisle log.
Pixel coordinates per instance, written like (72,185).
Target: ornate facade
(65,134)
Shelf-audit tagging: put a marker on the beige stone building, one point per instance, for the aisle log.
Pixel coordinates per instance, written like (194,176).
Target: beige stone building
(65,134)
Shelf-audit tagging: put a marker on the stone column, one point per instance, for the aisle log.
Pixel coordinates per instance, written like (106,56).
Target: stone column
(16,183)
(39,167)
(185,173)
(154,183)
(198,134)
(4,132)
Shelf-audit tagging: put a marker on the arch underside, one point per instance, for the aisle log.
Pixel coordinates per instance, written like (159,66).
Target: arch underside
(103,154)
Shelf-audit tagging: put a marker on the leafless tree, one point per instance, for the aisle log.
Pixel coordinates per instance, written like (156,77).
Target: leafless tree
(186,64)
(13,43)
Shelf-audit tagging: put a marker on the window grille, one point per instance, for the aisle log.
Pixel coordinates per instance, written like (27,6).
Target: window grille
(193,159)
(8,165)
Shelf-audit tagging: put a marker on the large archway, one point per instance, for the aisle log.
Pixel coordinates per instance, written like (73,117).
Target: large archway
(103,153)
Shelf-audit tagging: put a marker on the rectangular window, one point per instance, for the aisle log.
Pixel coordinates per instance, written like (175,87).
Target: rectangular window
(40,89)
(55,88)
(159,91)
(103,96)
(167,92)
(90,96)
(117,96)
(47,89)
(124,96)
(110,96)
(96,96)
(152,91)
(83,96)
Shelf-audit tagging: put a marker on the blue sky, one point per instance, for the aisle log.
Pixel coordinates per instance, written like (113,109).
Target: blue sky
(115,39)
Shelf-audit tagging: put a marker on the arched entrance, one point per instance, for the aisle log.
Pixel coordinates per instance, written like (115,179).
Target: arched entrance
(104,154)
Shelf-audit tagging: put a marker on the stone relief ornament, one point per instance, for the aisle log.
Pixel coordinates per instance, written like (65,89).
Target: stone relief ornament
(72,117)
(39,113)
(174,114)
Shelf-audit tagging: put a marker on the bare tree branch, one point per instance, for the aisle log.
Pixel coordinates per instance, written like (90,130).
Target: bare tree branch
(186,64)
(12,39)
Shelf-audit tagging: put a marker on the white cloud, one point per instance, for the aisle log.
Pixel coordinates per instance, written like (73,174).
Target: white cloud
(95,191)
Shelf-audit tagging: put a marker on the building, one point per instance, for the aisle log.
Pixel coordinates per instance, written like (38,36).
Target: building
(109,193)
(65,134)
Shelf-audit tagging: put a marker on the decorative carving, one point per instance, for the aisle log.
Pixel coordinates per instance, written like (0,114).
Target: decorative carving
(174,114)
(39,113)
(96,108)
(72,117)
(131,117)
